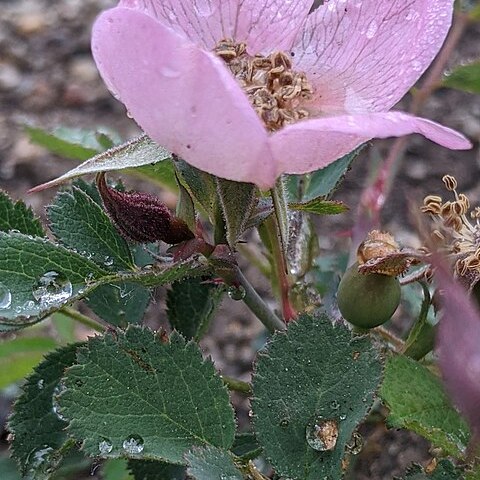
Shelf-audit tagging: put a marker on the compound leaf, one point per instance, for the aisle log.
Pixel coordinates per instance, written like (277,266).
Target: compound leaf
(137,396)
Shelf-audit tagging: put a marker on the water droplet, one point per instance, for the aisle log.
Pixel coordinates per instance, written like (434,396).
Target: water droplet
(236,292)
(41,384)
(105,446)
(355,445)
(52,289)
(322,434)
(5,297)
(170,72)
(416,65)
(343,416)
(133,445)
(59,389)
(372,29)
(284,422)
(203,8)
(108,261)
(37,458)
(334,404)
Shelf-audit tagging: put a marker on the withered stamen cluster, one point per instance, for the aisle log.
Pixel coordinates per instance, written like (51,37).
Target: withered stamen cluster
(455,232)
(276,91)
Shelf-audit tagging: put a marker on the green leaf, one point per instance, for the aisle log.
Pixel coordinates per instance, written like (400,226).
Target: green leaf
(237,200)
(75,144)
(162,173)
(80,223)
(210,463)
(246,446)
(17,216)
(191,304)
(116,469)
(417,401)
(38,431)
(151,470)
(464,77)
(58,276)
(120,304)
(445,471)
(314,375)
(19,356)
(132,395)
(318,206)
(28,266)
(322,182)
(135,153)
(185,207)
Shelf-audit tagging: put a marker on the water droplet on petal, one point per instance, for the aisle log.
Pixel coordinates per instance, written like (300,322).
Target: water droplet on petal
(5,297)
(170,72)
(372,29)
(52,289)
(105,446)
(236,292)
(322,434)
(133,444)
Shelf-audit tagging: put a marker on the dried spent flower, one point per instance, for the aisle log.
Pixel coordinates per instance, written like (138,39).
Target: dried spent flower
(456,232)
(380,253)
(142,217)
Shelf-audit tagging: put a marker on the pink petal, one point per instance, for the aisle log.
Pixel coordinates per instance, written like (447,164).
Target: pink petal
(458,345)
(365,55)
(313,144)
(264,25)
(183,98)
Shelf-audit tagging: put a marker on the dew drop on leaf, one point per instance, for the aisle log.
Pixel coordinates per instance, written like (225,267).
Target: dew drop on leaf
(5,297)
(133,444)
(41,384)
(60,388)
(322,434)
(335,405)
(105,446)
(52,289)
(236,293)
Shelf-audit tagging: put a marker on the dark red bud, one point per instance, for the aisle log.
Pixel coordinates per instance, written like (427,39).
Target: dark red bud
(142,217)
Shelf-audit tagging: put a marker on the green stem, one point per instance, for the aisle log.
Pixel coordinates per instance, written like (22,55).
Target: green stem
(256,304)
(254,259)
(389,337)
(83,319)
(277,229)
(237,385)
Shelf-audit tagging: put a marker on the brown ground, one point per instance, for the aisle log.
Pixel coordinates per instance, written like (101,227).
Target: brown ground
(48,77)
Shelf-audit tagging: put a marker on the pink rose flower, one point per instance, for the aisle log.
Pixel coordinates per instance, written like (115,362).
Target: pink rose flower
(250,89)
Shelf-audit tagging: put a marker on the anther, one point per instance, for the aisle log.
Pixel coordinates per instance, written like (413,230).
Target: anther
(450,182)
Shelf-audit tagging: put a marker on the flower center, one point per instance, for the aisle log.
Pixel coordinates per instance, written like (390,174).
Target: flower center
(276,91)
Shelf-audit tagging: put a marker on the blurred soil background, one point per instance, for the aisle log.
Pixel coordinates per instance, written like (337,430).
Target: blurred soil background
(48,78)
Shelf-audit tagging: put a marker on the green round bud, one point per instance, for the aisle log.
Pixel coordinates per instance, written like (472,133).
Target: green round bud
(367,300)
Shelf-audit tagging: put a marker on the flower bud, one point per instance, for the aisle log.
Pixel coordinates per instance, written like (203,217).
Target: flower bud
(367,300)
(142,217)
